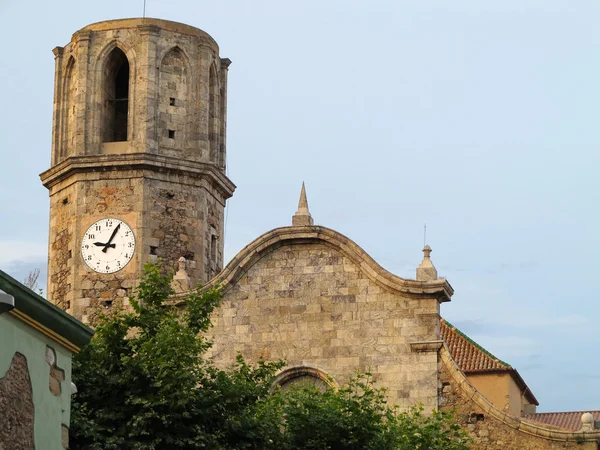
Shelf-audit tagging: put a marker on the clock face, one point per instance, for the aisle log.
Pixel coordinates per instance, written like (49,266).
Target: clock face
(108,245)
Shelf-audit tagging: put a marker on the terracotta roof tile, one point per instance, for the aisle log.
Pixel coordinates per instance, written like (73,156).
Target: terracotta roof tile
(568,420)
(470,356)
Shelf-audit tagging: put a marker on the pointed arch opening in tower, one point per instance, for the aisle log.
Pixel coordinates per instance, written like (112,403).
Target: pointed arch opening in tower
(68,111)
(213,115)
(116,96)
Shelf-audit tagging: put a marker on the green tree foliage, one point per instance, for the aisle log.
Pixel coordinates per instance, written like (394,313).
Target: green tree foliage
(143,383)
(357,416)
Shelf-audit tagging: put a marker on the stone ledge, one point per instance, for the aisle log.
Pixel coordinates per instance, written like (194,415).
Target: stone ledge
(167,25)
(136,161)
(426,346)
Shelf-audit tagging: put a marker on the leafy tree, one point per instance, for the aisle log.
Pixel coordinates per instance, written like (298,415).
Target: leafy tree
(357,416)
(144,383)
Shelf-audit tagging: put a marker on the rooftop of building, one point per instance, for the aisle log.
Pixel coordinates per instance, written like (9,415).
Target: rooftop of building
(570,420)
(47,318)
(472,358)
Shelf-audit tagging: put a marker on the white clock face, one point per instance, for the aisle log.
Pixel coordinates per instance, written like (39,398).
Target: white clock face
(108,245)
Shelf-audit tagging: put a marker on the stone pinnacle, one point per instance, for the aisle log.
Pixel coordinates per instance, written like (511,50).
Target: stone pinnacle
(426,270)
(302,217)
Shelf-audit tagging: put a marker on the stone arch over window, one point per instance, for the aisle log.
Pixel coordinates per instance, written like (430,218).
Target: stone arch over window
(302,376)
(115,93)
(214,124)
(174,79)
(68,110)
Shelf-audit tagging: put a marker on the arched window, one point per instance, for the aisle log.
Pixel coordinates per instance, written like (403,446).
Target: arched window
(116,96)
(299,377)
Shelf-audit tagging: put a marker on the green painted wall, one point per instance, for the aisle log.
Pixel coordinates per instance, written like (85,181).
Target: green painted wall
(50,411)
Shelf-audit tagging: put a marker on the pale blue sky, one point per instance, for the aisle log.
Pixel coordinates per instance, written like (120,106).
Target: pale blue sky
(479,118)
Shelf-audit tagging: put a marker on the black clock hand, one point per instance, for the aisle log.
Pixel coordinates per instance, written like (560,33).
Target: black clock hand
(102,244)
(112,236)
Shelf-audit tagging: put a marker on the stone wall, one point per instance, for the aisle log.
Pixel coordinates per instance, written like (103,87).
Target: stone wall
(492,429)
(314,306)
(171,216)
(172,103)
(61,247)
(97,199)
(16,407)
(180,221)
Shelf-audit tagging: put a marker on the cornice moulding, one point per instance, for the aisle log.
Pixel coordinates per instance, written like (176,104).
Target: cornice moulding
(136,161)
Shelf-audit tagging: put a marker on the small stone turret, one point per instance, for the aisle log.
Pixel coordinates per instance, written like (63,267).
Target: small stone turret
(302,217)
(181,279)
(426,270)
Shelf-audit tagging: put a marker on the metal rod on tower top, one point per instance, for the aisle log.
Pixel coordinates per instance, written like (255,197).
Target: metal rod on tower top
(424,234)
(144,9)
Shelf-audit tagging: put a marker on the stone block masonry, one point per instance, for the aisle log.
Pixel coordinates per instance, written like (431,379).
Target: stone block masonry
(313,304)
(138,135)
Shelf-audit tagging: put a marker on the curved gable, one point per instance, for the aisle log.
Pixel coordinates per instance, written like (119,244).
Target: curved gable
(312,297)
(291,236)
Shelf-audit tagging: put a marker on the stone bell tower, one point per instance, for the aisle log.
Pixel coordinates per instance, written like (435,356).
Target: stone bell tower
(138,147)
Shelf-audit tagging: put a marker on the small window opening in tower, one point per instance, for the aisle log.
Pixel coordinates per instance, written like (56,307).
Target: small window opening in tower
(213,247)
(171,134)
(121,102)
(116,95)
(172,101)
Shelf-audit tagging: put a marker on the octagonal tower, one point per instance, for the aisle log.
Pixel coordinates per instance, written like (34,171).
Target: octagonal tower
(138,136)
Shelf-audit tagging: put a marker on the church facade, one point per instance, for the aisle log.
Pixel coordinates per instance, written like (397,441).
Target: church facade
(138,173)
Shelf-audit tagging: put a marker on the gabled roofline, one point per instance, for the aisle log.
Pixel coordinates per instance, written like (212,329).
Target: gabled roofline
(270,241)
(47,318)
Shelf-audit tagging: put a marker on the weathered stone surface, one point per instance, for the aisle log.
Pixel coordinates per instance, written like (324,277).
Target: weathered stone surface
(149,150)
(16,407)
(64,432)
(57,376)
(310,304)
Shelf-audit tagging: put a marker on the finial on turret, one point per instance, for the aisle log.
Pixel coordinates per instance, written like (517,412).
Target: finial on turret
(427,251)
(302,217)
(587,422)
(426,270)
